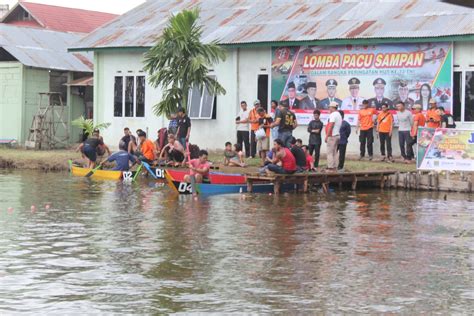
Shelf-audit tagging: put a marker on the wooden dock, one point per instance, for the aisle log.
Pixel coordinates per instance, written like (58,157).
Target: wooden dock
(304,180)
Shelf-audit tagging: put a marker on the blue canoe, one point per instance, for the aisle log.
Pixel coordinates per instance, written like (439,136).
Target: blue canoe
(211,189)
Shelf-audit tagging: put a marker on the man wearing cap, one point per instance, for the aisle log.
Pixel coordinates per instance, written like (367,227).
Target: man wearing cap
(332,136)
(293,102)
(419,120)
(403,95)
(331,86)
(379,99)
(310,102)
(354,101)
(254,126)
(433,119)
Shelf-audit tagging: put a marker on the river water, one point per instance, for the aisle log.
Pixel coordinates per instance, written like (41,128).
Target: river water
(104,247)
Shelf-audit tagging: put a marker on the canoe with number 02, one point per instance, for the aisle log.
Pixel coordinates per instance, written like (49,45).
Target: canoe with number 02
(103,174)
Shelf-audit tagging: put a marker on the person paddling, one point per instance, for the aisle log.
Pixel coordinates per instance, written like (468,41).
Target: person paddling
(198,168)
(89,148)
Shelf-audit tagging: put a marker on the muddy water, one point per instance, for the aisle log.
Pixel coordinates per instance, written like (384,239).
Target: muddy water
(102,247)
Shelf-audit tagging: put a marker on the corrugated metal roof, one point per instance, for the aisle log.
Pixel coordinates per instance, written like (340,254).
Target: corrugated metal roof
(245,21)
(43,48)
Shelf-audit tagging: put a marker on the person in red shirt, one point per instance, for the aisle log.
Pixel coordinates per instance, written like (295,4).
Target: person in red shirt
(283,161)
(198,168)
(254,126)
(419,120)
(309,159)
(384,129)
(366,127)
(433,119)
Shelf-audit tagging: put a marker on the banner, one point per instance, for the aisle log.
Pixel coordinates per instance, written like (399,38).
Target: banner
(310,77)
(445,149)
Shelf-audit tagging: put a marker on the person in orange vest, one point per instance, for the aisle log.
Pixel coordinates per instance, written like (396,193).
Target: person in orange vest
(419,120)
(433,119)
(384,129)
(254,126)
(366,127)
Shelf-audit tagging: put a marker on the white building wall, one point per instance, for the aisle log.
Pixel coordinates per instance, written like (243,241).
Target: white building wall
(245,64)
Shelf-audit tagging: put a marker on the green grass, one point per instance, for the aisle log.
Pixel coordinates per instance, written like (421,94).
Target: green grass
(56,160)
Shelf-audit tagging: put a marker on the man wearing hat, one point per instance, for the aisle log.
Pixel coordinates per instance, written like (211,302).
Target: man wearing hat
(333,136)
(379,99)
(310,102)
(403,95)
(293,102)
(331,86)
(254,126)
(433,119)
(354,101)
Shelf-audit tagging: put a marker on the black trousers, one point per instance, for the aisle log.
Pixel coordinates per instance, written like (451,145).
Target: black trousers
(253,144)
(243,141)
(406,142)
(366,137)
(316,149)
(342,155)
(385,140)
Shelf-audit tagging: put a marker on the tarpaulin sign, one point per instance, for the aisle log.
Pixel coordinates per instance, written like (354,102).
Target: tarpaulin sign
(445,149)
(310,77)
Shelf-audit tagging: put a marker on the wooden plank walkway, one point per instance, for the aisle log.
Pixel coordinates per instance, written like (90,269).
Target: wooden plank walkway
(323,178)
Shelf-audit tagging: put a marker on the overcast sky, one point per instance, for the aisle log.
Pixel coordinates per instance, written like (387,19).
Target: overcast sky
(112,6)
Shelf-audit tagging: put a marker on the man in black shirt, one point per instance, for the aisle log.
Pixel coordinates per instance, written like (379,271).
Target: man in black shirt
(447,120)
(315,128)
(286,120)
(124,143)
(184,127)
(299,155)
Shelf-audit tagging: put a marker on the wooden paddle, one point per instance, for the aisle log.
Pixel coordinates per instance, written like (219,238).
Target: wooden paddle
(90,173)
(148,168)
(137,172)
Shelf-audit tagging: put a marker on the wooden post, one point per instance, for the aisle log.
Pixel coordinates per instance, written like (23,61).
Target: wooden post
(354,182)
(305,184)
(249,185)
(276,186)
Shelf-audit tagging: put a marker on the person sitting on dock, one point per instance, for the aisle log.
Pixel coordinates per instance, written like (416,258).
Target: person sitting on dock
(299,155)
(147,148)
(309,159)
(233,156)
(198,168)
(122,159)
(173,152)
(283,161)
(90,146)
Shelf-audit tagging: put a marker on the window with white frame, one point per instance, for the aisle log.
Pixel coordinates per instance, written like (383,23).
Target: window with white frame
(202,104)
(463,95)
(129,96)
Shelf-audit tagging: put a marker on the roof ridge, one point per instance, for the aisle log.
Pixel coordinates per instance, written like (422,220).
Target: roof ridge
(69,8)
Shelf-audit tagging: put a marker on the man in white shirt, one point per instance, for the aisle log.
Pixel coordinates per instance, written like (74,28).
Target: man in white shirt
(243,135)
(333,136)
(354,101)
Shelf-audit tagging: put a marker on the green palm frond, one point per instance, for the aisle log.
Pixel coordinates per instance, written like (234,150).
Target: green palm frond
(179,61)
(88,125)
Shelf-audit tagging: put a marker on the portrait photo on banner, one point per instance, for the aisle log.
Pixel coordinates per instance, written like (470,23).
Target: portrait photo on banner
(310,77)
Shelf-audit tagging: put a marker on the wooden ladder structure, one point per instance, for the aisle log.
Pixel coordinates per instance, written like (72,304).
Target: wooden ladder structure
(45,127)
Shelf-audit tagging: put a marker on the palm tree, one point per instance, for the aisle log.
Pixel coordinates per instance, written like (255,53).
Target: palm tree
(180,61)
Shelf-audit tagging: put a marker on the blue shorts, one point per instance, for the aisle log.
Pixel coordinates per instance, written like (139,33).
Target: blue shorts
(90,153)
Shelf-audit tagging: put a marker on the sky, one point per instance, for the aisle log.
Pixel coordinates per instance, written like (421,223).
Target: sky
(111,6)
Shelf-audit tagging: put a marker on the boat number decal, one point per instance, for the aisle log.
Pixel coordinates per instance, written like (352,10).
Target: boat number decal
(160,173)
(185,187)
(127,175)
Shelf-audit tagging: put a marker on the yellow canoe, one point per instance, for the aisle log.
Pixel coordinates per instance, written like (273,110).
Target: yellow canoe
(100,174)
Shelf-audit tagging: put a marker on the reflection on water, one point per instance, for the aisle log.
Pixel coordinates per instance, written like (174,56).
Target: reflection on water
(112,247)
